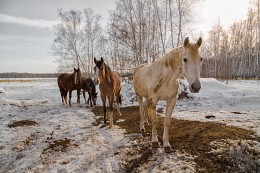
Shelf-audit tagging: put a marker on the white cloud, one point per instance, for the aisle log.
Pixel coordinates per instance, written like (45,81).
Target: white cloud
(208,12)
(28,22)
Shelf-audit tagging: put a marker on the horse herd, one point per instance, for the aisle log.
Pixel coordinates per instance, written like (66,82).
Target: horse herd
(152,82)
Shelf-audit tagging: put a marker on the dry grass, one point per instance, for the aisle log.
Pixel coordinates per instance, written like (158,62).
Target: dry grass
(16,80)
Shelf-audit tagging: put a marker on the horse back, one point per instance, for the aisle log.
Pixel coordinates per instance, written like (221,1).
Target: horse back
(87,83)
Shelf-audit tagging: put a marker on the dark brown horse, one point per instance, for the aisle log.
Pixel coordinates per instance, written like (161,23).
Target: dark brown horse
(69,82)
(89,86)
(110,87)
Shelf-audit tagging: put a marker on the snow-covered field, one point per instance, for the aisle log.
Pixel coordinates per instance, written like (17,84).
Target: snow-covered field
(91,148)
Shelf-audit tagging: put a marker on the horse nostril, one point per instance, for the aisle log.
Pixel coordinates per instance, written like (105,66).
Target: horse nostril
(192,86)
(195,87)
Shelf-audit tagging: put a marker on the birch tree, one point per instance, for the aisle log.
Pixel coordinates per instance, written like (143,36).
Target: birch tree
(68,45)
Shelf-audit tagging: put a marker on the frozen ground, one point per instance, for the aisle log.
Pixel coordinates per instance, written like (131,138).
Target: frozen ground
(91,148)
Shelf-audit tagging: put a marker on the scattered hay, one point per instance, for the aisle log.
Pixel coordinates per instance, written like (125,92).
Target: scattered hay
(22,123)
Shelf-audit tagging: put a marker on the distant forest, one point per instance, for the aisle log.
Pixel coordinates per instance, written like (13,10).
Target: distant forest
(28,75)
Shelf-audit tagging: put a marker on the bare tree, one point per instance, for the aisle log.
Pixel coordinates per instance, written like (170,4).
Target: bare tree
(93,36)
(76,39)
(68,45)
(235,51)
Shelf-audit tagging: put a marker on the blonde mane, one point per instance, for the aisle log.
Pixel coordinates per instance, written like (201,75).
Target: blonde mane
(173,58)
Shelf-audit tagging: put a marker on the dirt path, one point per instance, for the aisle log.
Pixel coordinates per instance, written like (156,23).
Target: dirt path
(215,146)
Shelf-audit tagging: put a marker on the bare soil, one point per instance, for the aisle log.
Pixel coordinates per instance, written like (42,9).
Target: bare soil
(192,137)
(22,123)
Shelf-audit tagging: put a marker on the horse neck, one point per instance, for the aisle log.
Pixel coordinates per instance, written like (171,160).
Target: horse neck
(72,76)
(107,73)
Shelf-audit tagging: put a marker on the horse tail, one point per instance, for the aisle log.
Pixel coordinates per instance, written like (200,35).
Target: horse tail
(119,99)
(147,112)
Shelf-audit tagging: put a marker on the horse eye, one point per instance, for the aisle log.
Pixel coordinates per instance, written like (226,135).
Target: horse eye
(185,60)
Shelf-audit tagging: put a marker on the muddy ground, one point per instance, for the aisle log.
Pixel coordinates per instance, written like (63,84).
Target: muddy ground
(191,137)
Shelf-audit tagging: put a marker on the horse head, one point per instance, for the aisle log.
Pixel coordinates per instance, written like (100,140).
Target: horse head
(99,70)
(191,64)
(77,76)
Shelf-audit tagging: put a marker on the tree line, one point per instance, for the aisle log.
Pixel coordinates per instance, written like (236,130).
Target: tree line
(141,31)
(233,53)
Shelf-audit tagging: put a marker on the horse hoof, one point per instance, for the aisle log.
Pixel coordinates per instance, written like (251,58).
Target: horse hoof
(155,144)
(168,149)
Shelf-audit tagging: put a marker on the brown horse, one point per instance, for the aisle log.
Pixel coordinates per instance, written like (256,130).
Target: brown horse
(89,86)
(110,87)
(69,82)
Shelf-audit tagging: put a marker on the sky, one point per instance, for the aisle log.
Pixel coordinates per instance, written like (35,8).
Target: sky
(26,27)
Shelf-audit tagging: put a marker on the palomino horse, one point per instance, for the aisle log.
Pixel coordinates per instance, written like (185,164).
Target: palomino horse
(89,86)
(110,87)
(159,81)
(69,82)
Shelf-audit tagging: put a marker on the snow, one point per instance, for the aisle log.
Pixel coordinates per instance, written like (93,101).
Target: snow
(25,148)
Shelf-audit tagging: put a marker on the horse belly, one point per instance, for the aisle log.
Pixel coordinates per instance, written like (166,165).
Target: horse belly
(141,87)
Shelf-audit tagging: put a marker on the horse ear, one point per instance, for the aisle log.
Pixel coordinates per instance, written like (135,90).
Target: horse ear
(74,69)
(199,42)
(102,60)
(96,93)
(186,42)
(95,60)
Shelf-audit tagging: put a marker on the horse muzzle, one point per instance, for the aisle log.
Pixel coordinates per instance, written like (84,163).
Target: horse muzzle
(195,87)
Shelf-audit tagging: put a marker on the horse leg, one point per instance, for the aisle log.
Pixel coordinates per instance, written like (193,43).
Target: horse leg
(70,93)
(78,95)
(111,110)
(119,103)
(103,98)
(167,122)
(84,95)
(65,96)
(141,110)
(62,95)
(152,110)
(90,99)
